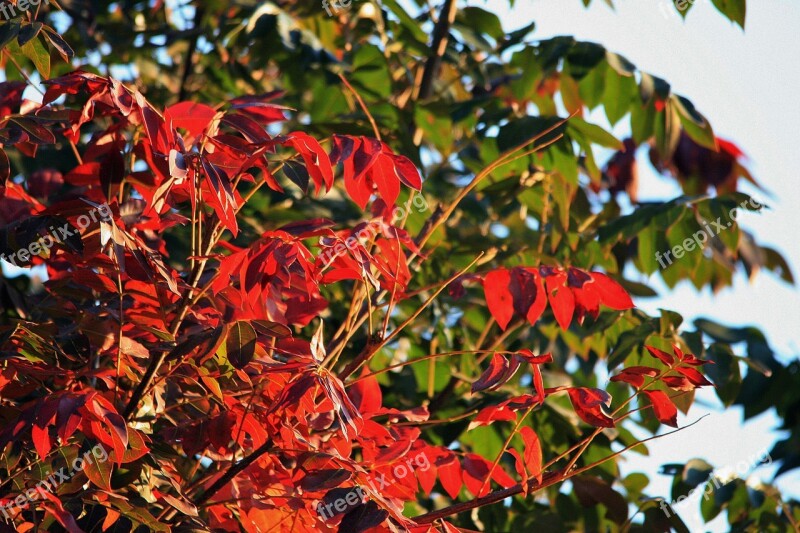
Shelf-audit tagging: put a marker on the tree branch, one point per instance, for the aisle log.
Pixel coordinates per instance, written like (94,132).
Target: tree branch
(438,47)
(187,63)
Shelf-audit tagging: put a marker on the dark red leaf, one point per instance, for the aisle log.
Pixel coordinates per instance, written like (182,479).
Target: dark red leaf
(241,344)
(634,375)
(532,453)
(589,404)
(499,372)
(678,383)
(325,479)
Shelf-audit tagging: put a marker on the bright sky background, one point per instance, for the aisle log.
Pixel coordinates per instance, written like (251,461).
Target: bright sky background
(746,84)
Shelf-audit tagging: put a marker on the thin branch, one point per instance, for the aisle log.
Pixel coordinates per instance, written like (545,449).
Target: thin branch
(363,107)
(438,47)
(231,473)
(356,363)
(549,479)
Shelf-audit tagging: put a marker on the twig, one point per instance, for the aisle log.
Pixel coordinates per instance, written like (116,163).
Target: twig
(367,353)
(363,107)
(550,478)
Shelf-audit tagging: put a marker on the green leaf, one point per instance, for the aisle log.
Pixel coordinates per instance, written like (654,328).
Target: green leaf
(642,122)
(408,23)
(646,249)
(735,10)
(39,56)
(627,342)
(481,21)
(651,86)
(619,91)
(520,131)
(583,57)
(592,133)
(695,124)
(622,66)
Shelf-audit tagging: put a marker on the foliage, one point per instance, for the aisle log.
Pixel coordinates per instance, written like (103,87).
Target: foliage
(280,309)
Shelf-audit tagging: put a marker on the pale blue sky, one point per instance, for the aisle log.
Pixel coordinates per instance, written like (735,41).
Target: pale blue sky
(746,84)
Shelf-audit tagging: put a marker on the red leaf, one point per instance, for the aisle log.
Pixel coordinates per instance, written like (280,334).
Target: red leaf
(540,299)
(493,413)
(663,356)
(56,509)
(611,293)
(116,425)
(407,172)
(383,173)
(634,375)
(426,477)
(519,466)
(562,301)
(500,371)
(366,393)
(695,377)
(498,297)
(528,356)
(532,453)
(317,161)
(678,383)
(191,116)
(356,156)
(450,475)
(41,440)
(476,470)
(665,410)
(589,403)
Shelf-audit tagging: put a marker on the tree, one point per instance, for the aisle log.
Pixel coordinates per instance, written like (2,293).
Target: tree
(355,272)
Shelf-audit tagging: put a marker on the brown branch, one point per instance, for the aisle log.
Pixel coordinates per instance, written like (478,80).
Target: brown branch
(231,473)
(438,47)
(188,65)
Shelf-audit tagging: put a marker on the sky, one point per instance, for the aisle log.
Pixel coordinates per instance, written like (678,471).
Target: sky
(745,83)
